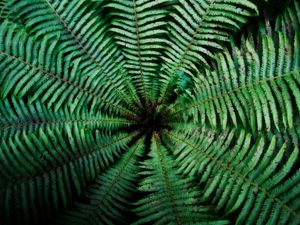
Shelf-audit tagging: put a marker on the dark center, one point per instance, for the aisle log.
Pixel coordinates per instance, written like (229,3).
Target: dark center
(150,120)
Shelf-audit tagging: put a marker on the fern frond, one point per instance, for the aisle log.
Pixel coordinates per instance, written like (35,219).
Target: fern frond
(138,25)
(22,74)
(35,151)
(252,178)
(77,22)
(196,31)
(111,193)
(60,161)
(289,22)
(16,115)
(4,9)
(149,112)
(251,88)
(171,199)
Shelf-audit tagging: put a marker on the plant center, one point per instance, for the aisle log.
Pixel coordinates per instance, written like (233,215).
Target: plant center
(150,120)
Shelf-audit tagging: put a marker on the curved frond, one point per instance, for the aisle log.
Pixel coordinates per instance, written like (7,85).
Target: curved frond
(139,28)
(171,199)
(149,112)
(197,30)
(16,115)
(111,193)
(4,9)
(61,161)
(253,177)
(252,87)
(28,68)
(77,22)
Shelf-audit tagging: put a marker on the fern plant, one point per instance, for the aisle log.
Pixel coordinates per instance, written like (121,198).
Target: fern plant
(149,112)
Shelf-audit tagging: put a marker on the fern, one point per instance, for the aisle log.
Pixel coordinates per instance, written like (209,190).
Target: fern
(253,79)
(149,112)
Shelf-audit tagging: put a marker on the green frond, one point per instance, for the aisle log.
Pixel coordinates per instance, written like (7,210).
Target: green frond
(139,28)
(197,30)
(26,71)
(251,87)
(16,115)
(171,199)
(77,22)
(3,9)
(289,21)
(149,112)
(111,194)
(252,178)
(60,161)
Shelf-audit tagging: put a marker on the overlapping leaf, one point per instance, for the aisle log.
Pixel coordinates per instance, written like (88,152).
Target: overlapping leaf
(252,177)
(196,31)
(148,112)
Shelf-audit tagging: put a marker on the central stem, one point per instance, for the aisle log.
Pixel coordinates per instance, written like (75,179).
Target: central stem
(150,120)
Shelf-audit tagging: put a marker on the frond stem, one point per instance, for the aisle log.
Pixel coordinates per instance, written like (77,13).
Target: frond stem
(14,182)
(126,112)
(230,168)
(187,49)
(238,89)
(84,49)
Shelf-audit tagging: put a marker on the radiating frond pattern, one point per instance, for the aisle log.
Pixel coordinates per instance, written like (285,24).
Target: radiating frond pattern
(149,112)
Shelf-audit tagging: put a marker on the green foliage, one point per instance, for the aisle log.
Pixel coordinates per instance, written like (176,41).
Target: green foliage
(110,194)
(171,198)
(149,112)
(252,178)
